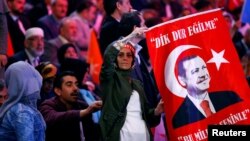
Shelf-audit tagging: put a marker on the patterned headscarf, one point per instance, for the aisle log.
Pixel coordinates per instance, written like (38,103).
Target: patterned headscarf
(24,83)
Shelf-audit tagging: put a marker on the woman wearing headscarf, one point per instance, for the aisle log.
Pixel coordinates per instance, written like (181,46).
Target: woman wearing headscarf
(19,118)
(126,115)
(48,72)
(66,51)
(69,60)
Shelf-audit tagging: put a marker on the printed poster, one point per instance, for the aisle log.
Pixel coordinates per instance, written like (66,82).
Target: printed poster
(199,75)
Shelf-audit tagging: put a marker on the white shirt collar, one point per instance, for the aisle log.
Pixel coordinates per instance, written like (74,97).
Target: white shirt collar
(30,57)
(64,40)
(14,17)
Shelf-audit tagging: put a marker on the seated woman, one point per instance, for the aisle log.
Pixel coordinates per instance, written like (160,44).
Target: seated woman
(48,71)
(66,51)
(69,61)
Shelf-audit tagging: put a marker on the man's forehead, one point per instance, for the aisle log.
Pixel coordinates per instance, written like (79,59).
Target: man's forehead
(69,79)
(194,62)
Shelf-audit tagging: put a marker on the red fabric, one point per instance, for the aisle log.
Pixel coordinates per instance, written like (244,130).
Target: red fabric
(205,106)
(153,130)
(206,35)
(10,50)
(129,46)
(230,4)
(94,57)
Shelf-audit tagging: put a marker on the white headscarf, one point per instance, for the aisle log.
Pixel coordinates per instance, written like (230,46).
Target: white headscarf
(24,83)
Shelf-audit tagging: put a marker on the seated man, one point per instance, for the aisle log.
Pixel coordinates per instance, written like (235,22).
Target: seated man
(66,116)
(34,48)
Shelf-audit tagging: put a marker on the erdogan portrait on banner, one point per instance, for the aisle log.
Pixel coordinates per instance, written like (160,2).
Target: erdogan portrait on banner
(198,74)
(193,75)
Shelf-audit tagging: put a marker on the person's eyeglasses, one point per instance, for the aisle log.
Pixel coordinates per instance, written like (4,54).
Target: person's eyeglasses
(36,39)
(122,54)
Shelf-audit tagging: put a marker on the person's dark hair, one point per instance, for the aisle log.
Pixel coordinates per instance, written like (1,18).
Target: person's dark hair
(47,70)
(86,4)
(129,21)
(62,50)
(79,67)
(110,6)
(59,78)
(181,69)
(127,24)
(153,21)
(41,66)
(201,4)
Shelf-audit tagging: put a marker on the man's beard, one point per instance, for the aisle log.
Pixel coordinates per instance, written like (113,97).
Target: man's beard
(36,53)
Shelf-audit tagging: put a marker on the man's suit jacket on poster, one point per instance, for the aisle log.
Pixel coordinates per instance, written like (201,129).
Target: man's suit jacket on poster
(188,113)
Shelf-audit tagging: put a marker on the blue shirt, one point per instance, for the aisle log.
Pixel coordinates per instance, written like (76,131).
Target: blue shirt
(22,123)
(89,98)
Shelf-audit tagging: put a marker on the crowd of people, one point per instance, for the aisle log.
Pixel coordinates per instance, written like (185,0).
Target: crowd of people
(46,88)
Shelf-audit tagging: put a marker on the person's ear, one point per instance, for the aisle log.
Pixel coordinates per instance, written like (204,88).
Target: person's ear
(118,5)
(57,91)
(182,81)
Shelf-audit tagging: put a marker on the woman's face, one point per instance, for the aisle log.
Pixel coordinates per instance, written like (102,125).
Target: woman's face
(125,58)
(48,85)
(71,53)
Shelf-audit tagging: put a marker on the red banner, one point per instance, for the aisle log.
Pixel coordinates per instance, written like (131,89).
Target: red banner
(194,60)
(94,57)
